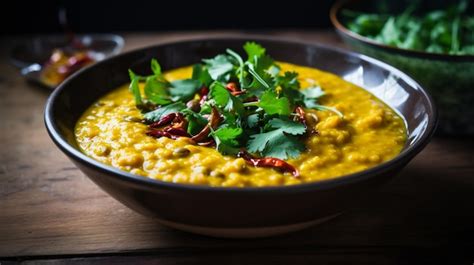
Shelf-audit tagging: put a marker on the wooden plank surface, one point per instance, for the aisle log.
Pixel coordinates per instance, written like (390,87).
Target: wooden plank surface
(48,207)
(361,256)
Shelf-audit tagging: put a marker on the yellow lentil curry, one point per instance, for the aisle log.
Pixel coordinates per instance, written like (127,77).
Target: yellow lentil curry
(368,134)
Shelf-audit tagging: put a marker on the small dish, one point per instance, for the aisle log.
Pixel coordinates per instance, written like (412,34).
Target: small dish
(30,56)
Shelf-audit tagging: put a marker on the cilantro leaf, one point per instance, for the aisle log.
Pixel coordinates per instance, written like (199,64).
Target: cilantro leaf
(224,99)
(196,122)
(273,70)
(206,108)
(262,71)
(271,104)
(202,74)
(228,134)
(311,95)
(290,88)
(313,92)
(289,80)
(280,142)
(184,90)
(263,63)
(253,50)
(219,94)
(134,88)
(285,147)
(157,114)
(236,105)
(226,139)
(157,91)
(258,142)
(287,126)
(219,67)
(275,144)
(155,67)
(252,120)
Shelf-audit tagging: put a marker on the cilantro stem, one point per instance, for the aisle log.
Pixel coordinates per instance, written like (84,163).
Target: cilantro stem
(257,76)
(236,56)
(251,104)
(334,110)
(241,65)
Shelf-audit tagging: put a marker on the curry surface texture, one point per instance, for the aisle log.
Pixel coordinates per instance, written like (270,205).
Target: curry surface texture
(369,134)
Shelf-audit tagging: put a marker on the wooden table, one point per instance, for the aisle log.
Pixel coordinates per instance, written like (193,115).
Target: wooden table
(50,213)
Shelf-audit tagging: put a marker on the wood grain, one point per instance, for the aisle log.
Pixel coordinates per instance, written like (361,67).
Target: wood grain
(333,256)
(48,207)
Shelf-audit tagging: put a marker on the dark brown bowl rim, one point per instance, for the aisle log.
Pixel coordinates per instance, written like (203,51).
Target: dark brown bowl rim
(147,183)
(340,4)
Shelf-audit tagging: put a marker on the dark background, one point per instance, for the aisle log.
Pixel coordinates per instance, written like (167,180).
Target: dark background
(23,17)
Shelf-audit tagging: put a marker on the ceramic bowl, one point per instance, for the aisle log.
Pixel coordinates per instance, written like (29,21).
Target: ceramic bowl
(240,212)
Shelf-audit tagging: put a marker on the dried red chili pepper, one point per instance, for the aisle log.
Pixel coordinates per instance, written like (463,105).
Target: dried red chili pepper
(177,120)
(160,133)
(269,162)
(176,131)
(234,89)
(209,143)
(214,120)
(180,122)
(203,93)
(202,134)
(167,119)
(236,93)
(74,63)
(169,132)
(79,60)
(301,116)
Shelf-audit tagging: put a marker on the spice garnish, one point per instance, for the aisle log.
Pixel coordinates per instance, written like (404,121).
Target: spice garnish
(269,162)
(244,108)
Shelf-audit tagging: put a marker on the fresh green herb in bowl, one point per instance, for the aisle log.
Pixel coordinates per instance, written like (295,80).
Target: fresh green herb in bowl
(431,40)
(449,30)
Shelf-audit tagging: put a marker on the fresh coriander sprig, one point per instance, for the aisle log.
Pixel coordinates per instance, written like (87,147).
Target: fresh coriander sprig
(237,105)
